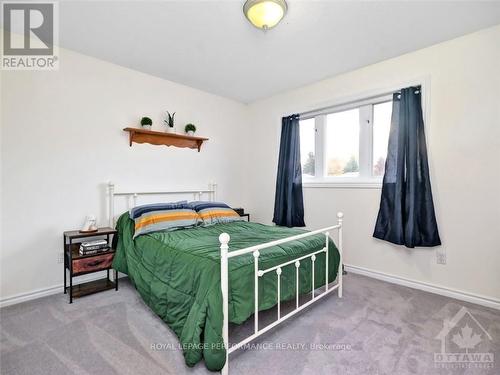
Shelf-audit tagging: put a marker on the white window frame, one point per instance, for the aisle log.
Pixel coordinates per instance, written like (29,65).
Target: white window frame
(365,103)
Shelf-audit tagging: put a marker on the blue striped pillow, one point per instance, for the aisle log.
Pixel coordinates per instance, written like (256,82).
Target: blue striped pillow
(214,212)
(145,208)
(163,216)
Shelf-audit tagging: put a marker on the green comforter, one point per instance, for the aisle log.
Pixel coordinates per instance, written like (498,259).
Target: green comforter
(178,276)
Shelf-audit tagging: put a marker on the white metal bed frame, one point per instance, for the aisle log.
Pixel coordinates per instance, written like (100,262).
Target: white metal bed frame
(224,239)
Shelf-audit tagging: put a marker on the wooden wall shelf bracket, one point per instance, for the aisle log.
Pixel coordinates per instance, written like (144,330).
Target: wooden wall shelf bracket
(138,135)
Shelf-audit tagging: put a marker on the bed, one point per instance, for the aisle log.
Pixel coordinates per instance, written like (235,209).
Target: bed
(197,285)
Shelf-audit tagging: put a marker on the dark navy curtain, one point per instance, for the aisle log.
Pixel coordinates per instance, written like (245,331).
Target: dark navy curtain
(406,215)
(288,202)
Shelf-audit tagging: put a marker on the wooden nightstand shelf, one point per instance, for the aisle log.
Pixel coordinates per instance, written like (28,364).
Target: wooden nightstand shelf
(241,211)
(78,265)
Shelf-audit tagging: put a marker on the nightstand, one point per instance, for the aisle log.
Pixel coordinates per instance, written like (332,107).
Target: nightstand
(77,265)
(241,211)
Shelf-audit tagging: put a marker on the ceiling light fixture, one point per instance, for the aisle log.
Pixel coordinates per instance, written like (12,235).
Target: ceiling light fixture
(264,14)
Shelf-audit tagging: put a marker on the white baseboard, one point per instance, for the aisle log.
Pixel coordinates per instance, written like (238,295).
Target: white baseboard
(39,293)
(23,297)
(431,288)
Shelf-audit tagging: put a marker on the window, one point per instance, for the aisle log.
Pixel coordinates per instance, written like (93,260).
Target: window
(346,145)
(342,143)
(381,126)
(307,146)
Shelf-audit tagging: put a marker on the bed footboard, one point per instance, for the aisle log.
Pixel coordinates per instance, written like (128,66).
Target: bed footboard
(255,250)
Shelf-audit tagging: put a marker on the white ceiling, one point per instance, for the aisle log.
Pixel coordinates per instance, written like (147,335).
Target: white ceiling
(210,45)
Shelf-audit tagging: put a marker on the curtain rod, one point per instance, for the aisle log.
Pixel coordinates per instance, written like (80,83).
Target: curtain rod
(322,110)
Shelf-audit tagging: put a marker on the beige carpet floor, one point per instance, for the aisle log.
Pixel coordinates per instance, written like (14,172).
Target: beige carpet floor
(377,328)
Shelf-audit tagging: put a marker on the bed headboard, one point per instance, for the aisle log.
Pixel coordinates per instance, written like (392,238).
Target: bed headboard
(208,194)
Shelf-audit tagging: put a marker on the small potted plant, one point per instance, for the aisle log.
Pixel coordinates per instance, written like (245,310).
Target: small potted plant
(190,129)
(169,122)
(146,123)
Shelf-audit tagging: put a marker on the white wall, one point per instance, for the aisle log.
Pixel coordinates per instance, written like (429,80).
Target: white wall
(62,140)
(464,145)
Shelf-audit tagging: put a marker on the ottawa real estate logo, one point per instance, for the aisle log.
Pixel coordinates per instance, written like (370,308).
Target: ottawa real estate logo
(30,36)
(464,343)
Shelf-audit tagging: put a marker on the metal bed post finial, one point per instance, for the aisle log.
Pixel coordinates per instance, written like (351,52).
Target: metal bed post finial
(111,197)
(224,249)
(340,218)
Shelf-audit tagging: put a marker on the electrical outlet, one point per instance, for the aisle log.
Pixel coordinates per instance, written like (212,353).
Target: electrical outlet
(60,258)
(440,257)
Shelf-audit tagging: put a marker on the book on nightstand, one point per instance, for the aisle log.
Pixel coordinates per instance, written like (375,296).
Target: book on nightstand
(91,252)
(93,247)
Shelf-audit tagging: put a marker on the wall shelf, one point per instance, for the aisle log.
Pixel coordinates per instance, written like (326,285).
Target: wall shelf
(138,135)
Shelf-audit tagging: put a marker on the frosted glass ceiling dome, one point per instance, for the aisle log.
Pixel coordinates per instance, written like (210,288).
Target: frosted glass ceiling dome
(264,14)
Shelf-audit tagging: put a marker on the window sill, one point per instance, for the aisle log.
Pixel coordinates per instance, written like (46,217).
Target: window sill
(352,184)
